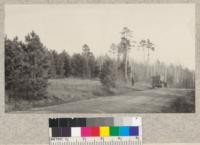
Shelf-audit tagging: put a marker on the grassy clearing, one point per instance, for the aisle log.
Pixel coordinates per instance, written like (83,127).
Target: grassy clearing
(73,89)
(61,91)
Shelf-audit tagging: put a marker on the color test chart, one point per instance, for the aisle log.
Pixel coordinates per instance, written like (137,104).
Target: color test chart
(94,131)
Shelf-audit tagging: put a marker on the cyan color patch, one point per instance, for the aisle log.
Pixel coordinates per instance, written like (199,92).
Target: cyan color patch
(124,131)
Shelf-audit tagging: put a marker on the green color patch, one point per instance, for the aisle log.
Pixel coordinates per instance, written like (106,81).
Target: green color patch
(114,131)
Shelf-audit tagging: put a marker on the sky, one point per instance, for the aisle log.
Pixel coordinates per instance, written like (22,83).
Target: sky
(171,27)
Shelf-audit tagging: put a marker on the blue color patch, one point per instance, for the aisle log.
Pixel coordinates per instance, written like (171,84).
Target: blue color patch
(134,131)
(123,131)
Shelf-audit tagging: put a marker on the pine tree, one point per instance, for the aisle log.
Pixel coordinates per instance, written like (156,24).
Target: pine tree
(67,65)
(125,46)
(14,55)
(77,64)
(26,68)
(37,68)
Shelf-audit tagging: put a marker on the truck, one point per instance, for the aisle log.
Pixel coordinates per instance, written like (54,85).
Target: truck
(157,82)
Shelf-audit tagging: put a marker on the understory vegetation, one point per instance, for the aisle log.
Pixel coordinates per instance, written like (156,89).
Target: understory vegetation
(185,104)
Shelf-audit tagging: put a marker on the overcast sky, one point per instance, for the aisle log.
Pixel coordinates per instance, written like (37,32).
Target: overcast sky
(171,27)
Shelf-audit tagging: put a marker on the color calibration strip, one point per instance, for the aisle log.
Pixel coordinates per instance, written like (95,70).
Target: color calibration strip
(102,129)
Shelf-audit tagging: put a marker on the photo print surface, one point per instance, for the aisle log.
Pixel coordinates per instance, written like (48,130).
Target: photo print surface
(100,58)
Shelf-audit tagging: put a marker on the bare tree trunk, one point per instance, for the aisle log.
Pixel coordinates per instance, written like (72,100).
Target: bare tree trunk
(126,65)
(147,64)
(118,59)
(100,64)
(144,55)
(148,55)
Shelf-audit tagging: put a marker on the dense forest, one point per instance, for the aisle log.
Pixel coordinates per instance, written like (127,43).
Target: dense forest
(29,65)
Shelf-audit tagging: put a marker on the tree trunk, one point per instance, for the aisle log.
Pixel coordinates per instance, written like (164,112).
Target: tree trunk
(118,59)
(148,55)
(147,65)
(144,55)
(125,65)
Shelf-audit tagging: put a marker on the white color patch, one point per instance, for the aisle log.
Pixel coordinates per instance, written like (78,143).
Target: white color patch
(50,132)
(76,131)
(127,121)
(136,121)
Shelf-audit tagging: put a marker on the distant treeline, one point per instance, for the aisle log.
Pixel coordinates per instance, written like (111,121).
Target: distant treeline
(29,65)
(176,76)
(81,65)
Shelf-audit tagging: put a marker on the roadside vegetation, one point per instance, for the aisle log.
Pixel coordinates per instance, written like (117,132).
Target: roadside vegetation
(184,104)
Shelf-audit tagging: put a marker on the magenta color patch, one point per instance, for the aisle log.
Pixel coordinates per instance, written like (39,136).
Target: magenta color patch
(86,131)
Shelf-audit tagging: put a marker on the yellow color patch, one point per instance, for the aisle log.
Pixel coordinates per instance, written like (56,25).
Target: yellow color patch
(104,131)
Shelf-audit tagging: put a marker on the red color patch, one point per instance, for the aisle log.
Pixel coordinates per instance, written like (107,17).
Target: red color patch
(94,131)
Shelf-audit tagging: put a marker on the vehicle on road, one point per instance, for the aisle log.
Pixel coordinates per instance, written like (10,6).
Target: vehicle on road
(157,82)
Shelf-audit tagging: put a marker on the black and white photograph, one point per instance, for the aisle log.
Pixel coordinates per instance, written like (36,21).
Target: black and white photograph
(99,58)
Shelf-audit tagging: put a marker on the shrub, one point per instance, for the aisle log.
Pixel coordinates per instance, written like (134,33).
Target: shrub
(108,74)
